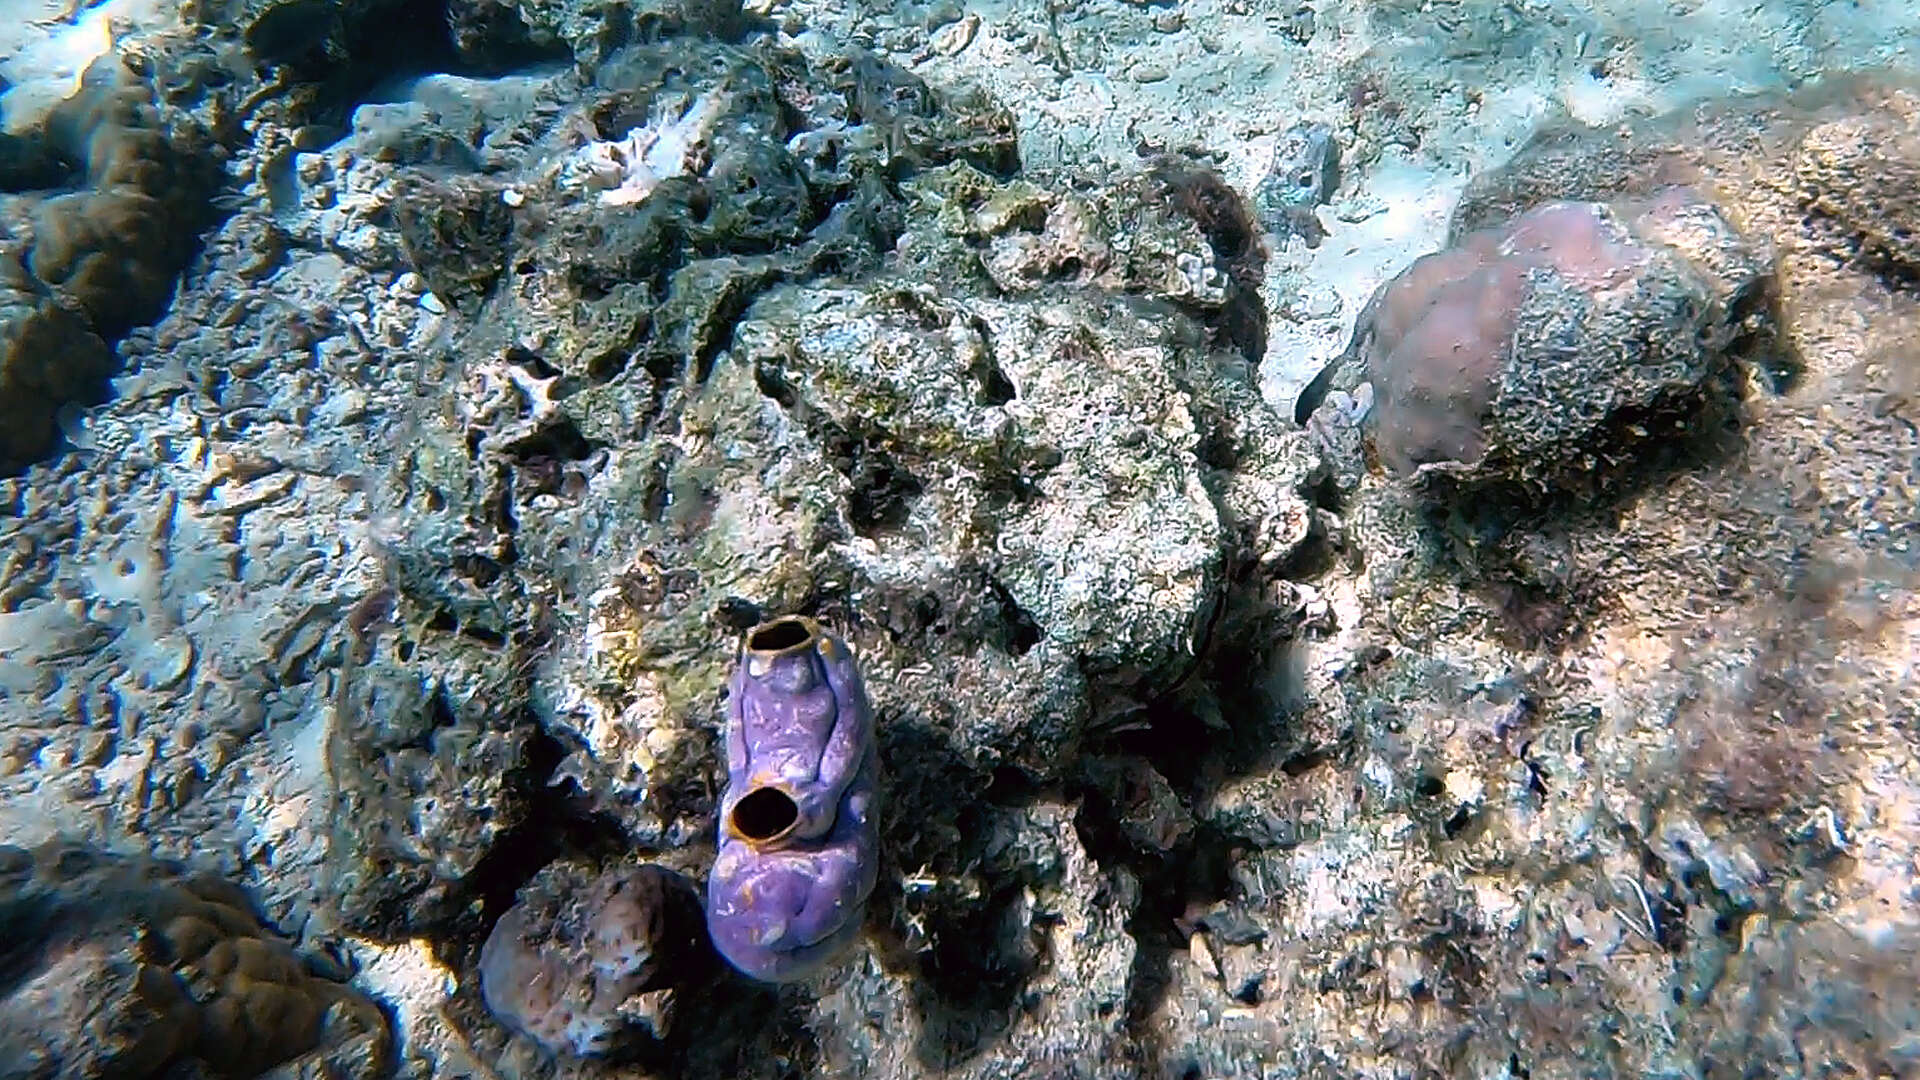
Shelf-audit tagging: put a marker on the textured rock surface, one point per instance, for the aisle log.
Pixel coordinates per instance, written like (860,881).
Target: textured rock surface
(788,176)
(348,597)
(1856,174)
(1036,979)
(131,967)
(1634,767)
(203,620)
(1303,175)
(591,31)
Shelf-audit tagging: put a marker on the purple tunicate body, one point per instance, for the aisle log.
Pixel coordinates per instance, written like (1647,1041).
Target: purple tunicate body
(797,856)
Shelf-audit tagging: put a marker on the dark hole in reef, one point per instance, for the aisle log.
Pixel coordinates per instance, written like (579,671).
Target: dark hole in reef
(1203,196)
(926,612)
(738,613)
(883,500)
(607,366)
(477,568)
(1536,780)
(31,163)
(726,316)
(485,635)
(779,635)
(764,814)
(1022,632)
(1306,761)
(995,388)
(533,362)
(883,489)
(772,384)
(560,440)
(592,290)
(499,506)
(390,43)
(73,861)
(662,365)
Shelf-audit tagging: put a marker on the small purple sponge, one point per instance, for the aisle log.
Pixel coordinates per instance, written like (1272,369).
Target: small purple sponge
(798,850)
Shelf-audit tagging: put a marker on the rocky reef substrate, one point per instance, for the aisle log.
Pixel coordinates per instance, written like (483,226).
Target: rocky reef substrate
(400,579)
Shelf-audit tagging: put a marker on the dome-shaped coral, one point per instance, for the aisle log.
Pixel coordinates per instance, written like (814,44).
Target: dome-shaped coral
(125,967)
(1533,353)
(589,964)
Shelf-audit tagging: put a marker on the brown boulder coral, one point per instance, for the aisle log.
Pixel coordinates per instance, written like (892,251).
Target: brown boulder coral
(1535,354)
(127,967)
(89,264)
(590,965)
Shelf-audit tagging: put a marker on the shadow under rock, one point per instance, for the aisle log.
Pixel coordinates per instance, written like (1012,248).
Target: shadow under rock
(1198,192)
(556,820)
(1515,550)
(1238,715)
(739,1029)
(369,54)
(971,961)
(970,956)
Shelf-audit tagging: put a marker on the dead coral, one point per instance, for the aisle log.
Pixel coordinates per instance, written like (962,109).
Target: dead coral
(1681,803)
(1762,736)
(1860,176)
(454,232)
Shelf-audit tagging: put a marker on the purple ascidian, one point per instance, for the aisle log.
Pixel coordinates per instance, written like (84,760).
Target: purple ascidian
(798,851)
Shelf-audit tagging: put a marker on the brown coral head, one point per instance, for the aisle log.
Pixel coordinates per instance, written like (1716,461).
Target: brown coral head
(765,817)
(778,652)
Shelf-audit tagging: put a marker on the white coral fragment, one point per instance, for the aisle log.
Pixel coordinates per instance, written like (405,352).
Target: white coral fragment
(672,143)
